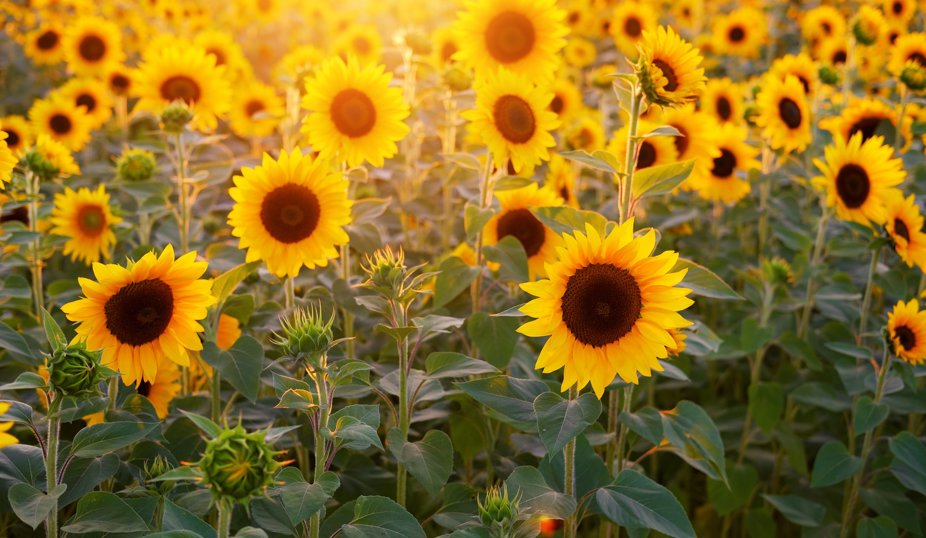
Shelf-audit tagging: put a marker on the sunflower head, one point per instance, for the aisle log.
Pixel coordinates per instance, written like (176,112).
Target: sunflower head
(498,509)
(76,372)
(136,164)
(175,117)
(669,68)
(305,335)
(237,465)
(906,331)
(913,76)
(48,159)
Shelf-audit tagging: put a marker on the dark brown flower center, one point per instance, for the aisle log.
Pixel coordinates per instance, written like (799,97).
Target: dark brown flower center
(514,119)
(897,8)
(853,185)
(353,113)
(724,108)
(633,27)
(917,57)
(737,34)
(144,388)
(12,138)
(219,56)
(92,48)
(839,57)
(253,107)
(805,83)
(906,336)
(647,155)
(91,220)
(790,113)
(601,304)
(827,27)
(119,83)
(290,213)
(60,123)
(447,51)
(510,37)
(48,40)
(362,45)
(87,101)
(681,142)
(901,230)
(17,214)
(556,105)
(867,126)
(671,79)
(724,165)
(525,227)
(140,312)
(181,88)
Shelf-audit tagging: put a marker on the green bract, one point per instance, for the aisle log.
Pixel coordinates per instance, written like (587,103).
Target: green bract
(237,465)
(75,371)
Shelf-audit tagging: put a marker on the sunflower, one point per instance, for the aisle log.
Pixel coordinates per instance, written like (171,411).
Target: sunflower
(567,99)
(86,219)
(226,51)
(297,64)
(723,99)
(720,181)
(908,48)
(899,10)
(181,72)
(290,212)
(868,116)
(561,179)
(119,80)
(904,224)
(607,306)
(5,438)
(91,95)
(149,309)
(579,52)
(445,43)
(18,133)
(698,130)
(360,41)
(822,23)
(832,52)
(58,156)
(8,160)
(355,115)
(801,66)
(585,133)
(256,110)
(228,331)
(688,14)
(906,327)
(45,45)
(513,120)
(516,219)
(92,43)
(860,177)
(524,36)
(869,26)
(651,151)
(62,120)
(670,68)
(740,33)
(783,114)
(628,22)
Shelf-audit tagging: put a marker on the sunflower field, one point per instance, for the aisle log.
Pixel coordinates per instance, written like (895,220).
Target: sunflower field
(462,268)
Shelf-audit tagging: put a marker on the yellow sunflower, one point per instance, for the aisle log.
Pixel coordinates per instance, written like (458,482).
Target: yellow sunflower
(899,10)
(561,179)
(228,331)
(515,219)
(355,116)
(906,327)
(513,119)
(256,110)
(5,438)
(567,99)
(585,133)
(904,224)
(62,120)
(18,133)
(86,219)
(8,160)
(290,212)
(91,44)
(628,22)
(226,51)
(580,52)
(742,32)
(297,64)
(444,44)
(524,36)
(908,48)
(801,66)
(822,23)
(651,151)
(92,95)
(119,80)
(722,181)
(860,177)
(45,45)
(181,72)
(868,116)
(163,388)
(723,99)
(359,41)
(697,141)
(607,307)
(670,68)
(55,154)
(149,309)
(783,114)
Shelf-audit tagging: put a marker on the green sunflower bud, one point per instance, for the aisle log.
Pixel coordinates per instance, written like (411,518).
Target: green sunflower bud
(136,165)
(829,75)
(914,76)
(40,166)
(418,42)
(74,371)
(238,465)
(306,335)
(457,79)
(777,271)
(175,117)
(498,510)
(865,33)
(386,272)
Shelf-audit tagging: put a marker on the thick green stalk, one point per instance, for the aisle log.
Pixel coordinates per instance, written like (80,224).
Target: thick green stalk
(223,525)
(35,265)
(350,346)
(815,259)
(866,298)
(51,464)
(289,292)
(898,132)
(321,447)
(630,156)
(848,511)
(622,431)
(571,524)
(184,224)
(484,197)
(404,404)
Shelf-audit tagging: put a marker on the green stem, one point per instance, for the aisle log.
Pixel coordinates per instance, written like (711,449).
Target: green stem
(113,393)
(216,395)
(184,224)
(484,197)
(622,431)
(350,346)
(321,447)
(630,156)
(866,298)
(898,132)
(223,525)
(613,410)
(815,259)
(404,404)
(35,265)
(848,511)
(289,290)
(571,524)
(51,464)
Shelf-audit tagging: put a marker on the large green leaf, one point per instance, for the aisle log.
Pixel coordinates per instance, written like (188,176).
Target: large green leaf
(510,397)
(879,527)
(447,364)
(100,511)
(537,497)
(83,475)
(510,256)
(868,414)
(108,437)
(660,179)
(560,420)
(742,479)
(225,284)
(766,403)
(300,499)
(909,465)
(695,436)
(636,502)
(798,510)
(429,460)
(453,277)
(496,337)
(833,464)
(240,365)
(565,219)
(379,517)
(702,281)
(31,505)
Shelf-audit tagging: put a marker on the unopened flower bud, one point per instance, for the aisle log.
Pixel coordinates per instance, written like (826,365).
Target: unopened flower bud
(74,371)
(175,117)
(457,79)
(136,165)
(238,465)
(306,335)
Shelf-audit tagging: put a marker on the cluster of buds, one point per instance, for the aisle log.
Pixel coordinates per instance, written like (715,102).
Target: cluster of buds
(237,465)
(136,165)
(306,335)
(74,371)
